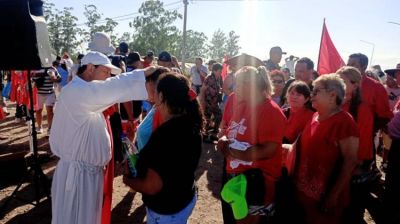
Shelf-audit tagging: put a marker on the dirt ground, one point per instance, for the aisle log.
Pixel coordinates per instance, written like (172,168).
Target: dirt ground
(127,206)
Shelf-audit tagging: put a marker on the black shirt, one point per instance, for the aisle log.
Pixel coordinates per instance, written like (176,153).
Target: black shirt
(173,151)
(136,104)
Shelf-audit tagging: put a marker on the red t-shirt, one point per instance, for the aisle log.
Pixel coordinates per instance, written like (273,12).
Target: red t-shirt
(146,64)
(320,154)
(365,123)
(374,94)
(262,123)
(296,123)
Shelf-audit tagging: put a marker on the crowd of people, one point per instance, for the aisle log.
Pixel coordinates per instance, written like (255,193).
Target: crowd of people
(313,135)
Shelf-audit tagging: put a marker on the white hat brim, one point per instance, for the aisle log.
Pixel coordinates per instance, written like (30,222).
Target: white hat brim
(114,70)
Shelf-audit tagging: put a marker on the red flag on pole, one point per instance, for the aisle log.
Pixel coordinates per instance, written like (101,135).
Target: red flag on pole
(329,60)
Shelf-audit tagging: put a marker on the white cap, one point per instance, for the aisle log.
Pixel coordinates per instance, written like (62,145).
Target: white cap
(97,58)
(101,42)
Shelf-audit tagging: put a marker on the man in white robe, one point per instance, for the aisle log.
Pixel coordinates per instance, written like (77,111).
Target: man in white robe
(79,136)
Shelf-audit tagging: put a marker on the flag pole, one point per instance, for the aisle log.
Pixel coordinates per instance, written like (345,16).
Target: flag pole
(320,44)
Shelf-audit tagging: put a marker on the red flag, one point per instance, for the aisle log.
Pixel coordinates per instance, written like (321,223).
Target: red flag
(225,67)
(329,60)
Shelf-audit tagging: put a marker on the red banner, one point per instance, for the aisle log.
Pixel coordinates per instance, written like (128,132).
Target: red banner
(329,60)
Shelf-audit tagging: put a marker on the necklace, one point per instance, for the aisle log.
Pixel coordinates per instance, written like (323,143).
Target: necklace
(333,112)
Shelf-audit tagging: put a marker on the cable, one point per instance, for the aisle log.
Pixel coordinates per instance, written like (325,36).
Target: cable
(115,18)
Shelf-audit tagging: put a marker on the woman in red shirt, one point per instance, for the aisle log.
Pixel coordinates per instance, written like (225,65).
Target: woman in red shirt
(360,111)
(253,127)
(299,112)
(364,118)
(327,154)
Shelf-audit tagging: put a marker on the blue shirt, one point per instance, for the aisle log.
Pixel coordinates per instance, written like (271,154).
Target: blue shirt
(145,130)
(64,76)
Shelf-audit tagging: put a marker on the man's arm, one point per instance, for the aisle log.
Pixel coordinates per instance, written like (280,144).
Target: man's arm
(383,112)
(226,86)
(151,184)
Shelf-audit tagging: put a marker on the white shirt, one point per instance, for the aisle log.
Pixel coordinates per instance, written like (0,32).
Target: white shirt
(290,65)
(80,138)
(74,69)
(68,63)
(195,75)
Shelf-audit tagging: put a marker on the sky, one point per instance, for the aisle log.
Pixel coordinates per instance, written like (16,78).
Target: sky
(355,26)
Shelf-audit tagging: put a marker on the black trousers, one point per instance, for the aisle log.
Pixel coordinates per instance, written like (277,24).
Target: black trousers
(391,200)
(227,213)
(21,111)
(116,129)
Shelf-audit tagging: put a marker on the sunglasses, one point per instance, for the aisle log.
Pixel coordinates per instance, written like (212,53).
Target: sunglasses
(317,90)
(277,81)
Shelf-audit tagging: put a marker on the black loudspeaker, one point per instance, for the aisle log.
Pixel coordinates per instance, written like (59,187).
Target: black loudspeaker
(24,45)
(24,38)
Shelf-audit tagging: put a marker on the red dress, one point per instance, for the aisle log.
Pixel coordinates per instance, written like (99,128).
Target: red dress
(319,162)
(365,123)
(254,125)
(296,123)
(19,91)
(2,115)
(108,173)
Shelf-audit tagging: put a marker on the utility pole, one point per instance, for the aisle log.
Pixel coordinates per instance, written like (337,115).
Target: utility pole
(185,2)
(373,49)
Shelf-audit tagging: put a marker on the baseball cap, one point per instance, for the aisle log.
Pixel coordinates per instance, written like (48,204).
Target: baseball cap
(101,42)
(164,56)
(234,193)
(150,54)
(123,47)
(97,58)
(392,72)
(133,57)
(211,62)
(276,49)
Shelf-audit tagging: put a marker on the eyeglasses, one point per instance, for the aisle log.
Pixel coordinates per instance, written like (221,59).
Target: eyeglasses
(316,91)
(277,81)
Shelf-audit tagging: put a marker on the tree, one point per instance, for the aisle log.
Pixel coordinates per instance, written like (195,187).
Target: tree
(232,47)
(126,37)
(216,49)
(63,31)
(94,19)
(154,28)
(195,45)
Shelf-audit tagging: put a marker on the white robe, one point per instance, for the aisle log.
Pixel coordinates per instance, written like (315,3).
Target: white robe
(79,137)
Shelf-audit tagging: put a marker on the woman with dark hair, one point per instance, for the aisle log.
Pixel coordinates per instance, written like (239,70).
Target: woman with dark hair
(252,132)
(167,163)
(210,98)
(153,118)
(278,82)
(327,153)
(299,112)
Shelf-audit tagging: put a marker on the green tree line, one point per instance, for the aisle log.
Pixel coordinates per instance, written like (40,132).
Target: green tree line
(152,29)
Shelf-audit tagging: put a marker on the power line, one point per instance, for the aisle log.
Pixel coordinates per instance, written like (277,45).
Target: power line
(131,15)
